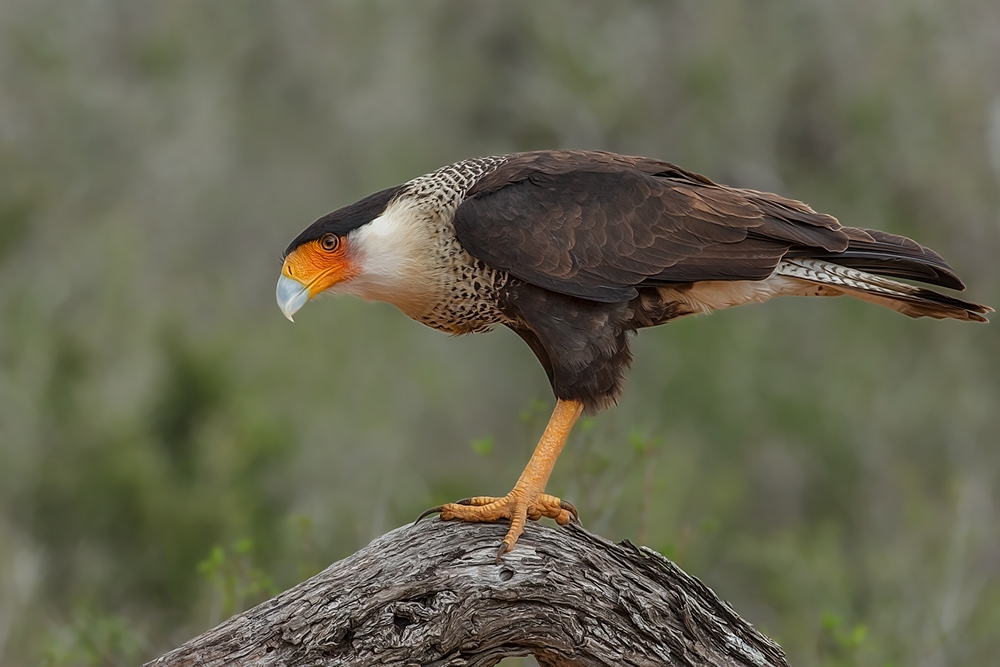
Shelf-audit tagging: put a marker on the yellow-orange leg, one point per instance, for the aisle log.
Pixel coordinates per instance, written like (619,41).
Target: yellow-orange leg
(526,500)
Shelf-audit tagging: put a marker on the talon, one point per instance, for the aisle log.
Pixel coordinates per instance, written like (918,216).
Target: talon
(574,513)
(516,507)
(433,510)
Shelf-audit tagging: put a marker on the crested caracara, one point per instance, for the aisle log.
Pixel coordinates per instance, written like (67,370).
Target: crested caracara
(574,251)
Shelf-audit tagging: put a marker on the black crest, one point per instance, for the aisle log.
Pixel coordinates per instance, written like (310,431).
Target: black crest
(345,219)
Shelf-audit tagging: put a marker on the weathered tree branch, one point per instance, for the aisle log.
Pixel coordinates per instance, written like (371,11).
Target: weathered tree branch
(431,594)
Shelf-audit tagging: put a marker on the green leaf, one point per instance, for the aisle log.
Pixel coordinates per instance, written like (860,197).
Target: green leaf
(482,446)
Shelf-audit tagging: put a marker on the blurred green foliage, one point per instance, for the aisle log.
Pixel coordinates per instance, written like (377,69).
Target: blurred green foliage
(236,579)
(172,450)
(93,639)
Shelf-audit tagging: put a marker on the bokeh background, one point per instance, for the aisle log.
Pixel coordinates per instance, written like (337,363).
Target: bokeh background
(172,450)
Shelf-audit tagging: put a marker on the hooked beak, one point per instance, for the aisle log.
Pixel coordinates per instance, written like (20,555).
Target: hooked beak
(309,270)
(291,295)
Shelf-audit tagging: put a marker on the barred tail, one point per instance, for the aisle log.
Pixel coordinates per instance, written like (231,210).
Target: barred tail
(907,299)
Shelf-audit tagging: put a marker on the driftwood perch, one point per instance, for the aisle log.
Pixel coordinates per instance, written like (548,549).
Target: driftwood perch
(431,594)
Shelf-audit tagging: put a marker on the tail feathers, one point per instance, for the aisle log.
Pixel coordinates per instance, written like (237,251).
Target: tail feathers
(885,254)
(907,299)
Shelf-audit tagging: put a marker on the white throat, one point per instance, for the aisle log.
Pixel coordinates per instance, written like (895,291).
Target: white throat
(395,255)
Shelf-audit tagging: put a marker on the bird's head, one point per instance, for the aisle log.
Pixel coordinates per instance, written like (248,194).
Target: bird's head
(312,267)
(362,249)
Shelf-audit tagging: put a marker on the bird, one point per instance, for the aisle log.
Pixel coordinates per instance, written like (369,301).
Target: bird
(575,251)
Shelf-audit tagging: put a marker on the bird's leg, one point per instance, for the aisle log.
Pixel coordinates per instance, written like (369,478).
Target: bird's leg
(526,500)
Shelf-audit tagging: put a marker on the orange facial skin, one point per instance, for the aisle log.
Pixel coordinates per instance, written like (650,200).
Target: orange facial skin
(319,264)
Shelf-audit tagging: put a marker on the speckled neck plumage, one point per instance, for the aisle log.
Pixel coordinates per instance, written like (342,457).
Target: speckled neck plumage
(470,288)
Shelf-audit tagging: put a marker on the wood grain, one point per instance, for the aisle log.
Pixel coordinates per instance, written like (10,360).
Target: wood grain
(431,594)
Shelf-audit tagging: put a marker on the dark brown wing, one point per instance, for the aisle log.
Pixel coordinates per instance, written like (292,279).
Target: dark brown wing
(891,255)
(596,225)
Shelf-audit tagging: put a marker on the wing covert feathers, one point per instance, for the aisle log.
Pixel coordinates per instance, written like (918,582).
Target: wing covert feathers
(596,225)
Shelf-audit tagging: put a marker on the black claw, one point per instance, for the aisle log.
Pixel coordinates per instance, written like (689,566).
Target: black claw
(504,548)
(464,501)
(433,510)
(566,505)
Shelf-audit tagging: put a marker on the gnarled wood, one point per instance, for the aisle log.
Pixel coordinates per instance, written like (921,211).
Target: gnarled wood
(431,594)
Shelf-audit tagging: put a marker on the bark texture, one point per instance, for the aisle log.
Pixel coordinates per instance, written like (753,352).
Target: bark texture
(431,594)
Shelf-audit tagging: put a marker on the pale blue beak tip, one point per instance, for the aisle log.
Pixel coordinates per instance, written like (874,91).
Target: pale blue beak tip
(291,295)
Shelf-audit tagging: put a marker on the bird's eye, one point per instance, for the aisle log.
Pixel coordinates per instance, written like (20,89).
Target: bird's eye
(329,242)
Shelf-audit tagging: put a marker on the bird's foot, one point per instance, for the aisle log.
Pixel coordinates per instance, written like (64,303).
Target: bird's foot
(517,506)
